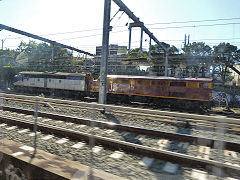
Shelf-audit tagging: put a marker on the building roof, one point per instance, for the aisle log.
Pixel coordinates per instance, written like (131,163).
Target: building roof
(52,73)
(159,78)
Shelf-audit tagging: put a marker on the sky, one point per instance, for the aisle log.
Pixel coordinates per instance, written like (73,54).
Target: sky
(78,23)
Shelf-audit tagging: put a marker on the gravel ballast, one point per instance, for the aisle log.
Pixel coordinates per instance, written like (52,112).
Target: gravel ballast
(127,166)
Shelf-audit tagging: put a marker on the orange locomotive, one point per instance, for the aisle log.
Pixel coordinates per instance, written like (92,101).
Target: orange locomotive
(190,92)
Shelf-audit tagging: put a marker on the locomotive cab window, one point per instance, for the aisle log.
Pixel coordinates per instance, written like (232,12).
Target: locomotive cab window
(159,83)
(178,84)
(124,81)
(203,85)
(146,83)
(192,84)
(139,82)
(154,82)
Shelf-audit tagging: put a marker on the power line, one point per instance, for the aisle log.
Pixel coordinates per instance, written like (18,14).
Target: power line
(194,40)
(88,30)
(73,37)
(88,36)
(201,25)
(196,21)
(70,32)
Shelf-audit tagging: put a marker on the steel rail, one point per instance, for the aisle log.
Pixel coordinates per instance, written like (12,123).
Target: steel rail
(150,132)
(125,146)
(165,119)
(169,119)
(179,116)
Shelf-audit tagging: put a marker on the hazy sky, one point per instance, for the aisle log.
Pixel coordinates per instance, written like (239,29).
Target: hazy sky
(84,19)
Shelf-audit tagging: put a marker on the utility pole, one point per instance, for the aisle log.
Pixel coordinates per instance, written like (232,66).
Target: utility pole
(71,63)
(149,50)
(105,51)
(185,40)
(129,40)
(141,38)
(3,40)
(188,43)
(2,43)
(166,64)
(52,52)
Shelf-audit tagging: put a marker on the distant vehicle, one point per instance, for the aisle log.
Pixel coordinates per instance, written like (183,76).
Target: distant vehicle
(47,82)
(183,92)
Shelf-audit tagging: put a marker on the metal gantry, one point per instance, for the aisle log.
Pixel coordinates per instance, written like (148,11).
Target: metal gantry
(135,19)
(105,51)
(105,42)
(53,43)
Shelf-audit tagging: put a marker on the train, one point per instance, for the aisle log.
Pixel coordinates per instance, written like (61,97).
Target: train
(177,92)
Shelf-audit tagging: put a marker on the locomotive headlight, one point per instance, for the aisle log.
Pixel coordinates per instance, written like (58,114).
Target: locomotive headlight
(210,96)
(16,78)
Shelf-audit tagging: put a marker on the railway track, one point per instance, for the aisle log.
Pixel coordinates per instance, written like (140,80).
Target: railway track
(126,146)
(99,107)
(95,106)
(169,142)
(202,121)
(124,128)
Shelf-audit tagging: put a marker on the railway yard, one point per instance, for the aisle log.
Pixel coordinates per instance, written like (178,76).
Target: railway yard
(93,100)
(127,142)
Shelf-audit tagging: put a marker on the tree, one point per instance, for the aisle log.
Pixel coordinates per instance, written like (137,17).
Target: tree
(135,54)
(197,57)
(197,49)
(225,55)
(7,66)
(158,56)
(40,56)
(7,57)
(157,50)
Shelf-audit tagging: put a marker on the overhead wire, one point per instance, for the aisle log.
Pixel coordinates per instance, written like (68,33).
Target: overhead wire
(70,32)
(118,19)
(88,36)
(194,26)
(196,21)
(87,30)
(114,15)
(187,26)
